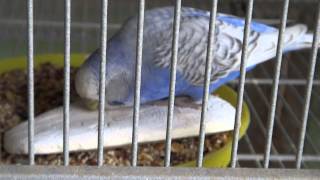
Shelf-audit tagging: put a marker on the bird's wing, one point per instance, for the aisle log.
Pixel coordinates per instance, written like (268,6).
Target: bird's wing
(193,43)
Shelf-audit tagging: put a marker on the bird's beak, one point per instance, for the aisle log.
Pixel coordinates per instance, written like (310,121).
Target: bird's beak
(93,105)
(90,104)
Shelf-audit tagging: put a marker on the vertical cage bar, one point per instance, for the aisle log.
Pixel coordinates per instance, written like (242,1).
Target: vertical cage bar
(174,58)
(315,46)
(275,84)
(102,80)
(260,124)
(241,83)
(66,102)
(212,23)
(138,67)
(30,84)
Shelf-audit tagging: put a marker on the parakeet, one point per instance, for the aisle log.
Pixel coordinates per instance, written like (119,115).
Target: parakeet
(193,38)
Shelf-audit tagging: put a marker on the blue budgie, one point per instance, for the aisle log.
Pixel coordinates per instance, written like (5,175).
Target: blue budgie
(194,27)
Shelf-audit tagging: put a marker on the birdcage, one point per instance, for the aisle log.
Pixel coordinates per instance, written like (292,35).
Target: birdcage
(282,94)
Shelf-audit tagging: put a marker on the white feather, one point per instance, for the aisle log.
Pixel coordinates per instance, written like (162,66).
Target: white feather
(266,45)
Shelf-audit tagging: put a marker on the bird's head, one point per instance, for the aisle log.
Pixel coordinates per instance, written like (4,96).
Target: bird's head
(118,81)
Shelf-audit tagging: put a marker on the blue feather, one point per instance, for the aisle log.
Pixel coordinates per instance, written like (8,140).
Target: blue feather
(255,26)
(151,91)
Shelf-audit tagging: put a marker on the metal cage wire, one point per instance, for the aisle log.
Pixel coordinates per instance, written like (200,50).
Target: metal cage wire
(172,82)
(276,82)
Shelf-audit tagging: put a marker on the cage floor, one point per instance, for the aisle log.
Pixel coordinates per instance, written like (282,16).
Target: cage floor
(85,38)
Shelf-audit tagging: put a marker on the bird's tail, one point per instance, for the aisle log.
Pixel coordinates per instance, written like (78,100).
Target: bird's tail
(303,42)
(295,38)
